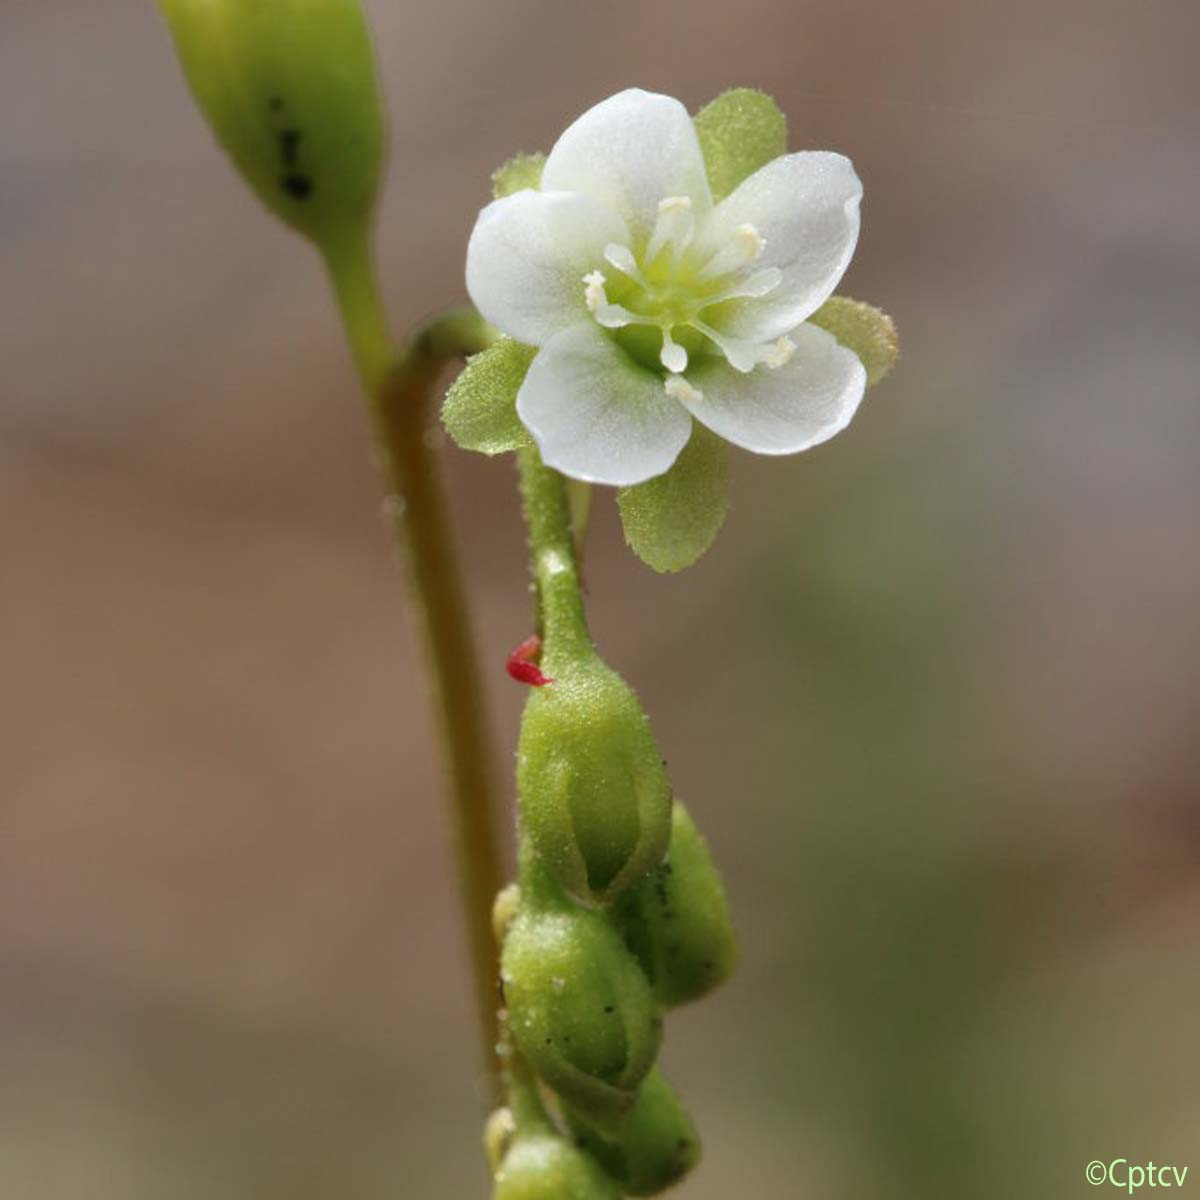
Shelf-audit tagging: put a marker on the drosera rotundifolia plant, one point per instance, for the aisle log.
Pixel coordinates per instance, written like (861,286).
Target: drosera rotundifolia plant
(654,290)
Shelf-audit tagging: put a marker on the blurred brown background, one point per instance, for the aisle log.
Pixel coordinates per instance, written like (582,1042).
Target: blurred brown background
(933,695)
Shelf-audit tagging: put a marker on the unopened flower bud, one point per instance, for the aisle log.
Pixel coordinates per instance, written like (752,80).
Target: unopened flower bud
(544,1166)
(594,794)
(579,1006)
(656,1146)
(290,91)
(498,1132)
(504,908)
(677,922)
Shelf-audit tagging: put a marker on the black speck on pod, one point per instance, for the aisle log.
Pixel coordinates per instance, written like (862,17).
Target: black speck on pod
(297,185)
(289,145)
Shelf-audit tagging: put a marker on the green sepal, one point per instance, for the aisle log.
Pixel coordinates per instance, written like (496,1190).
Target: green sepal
(672,519)
(866,330)
(545,1166)
(593,791)
(676,921)
(579,1006)
(522,171)
(480,409)
(656,1146)
(289,89)
(741,130)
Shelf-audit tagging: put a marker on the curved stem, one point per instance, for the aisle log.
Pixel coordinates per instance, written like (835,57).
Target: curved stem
(400,385)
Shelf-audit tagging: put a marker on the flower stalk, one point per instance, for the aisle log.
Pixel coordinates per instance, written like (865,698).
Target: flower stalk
(400,385)
(560,618)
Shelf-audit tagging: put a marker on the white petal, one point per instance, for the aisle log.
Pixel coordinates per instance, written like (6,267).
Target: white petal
(806,207)
(781,410)
(595,414)
(528,256)
(631,151)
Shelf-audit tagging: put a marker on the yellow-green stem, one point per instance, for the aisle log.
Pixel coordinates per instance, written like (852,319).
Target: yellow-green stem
(400,385)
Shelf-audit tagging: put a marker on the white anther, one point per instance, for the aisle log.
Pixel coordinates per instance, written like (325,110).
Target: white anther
(780,353)
(744,247)
(678,388)
(673,356)
(751,241)
(593,292)
(674,227)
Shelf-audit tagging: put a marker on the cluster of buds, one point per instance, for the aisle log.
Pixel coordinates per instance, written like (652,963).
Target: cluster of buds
(585,989)
(618,914)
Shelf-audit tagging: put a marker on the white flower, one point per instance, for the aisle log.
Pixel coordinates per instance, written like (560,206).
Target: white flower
(650,305)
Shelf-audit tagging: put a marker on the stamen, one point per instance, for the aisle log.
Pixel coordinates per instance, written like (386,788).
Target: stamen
(746,246)
(751,241)
(755,286)
(617,316)
(594,294)
(611,316)
(678,388)
(743,356)
(673,356)
(674,227)
(622,258)
(780,353)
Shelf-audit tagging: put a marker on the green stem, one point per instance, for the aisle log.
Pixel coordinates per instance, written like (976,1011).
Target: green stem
(400,386)
(552,552)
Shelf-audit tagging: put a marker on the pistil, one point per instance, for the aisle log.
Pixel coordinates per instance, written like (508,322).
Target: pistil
(679,298)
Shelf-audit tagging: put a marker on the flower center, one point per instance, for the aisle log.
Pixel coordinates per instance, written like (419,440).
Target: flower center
(673,281)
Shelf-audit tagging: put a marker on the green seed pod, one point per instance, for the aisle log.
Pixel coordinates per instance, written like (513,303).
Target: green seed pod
(657,1144)
(594,794)
(579,1007)
(676,920)
(544,1166)
(289,89)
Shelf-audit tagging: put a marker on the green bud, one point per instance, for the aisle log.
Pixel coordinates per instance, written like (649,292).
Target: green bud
(545,1166)
(677,921)
(594,794)
(657,1144)
(579,1007)
(289,89)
